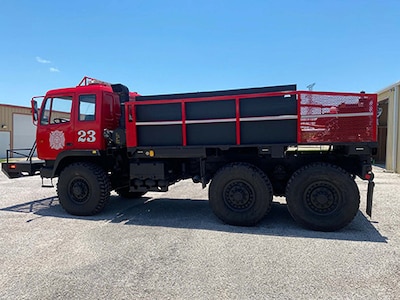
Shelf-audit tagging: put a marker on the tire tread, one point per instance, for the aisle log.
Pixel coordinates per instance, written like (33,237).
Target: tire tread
(339,170)
(233,167)
(104,187)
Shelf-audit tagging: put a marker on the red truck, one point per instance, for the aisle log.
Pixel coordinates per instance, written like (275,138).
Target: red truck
(247,144)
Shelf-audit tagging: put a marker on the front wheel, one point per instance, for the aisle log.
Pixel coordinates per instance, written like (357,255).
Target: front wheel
(83,189)
(240,194)
(322,197)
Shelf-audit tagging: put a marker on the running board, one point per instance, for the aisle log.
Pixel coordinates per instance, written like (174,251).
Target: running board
(51,185)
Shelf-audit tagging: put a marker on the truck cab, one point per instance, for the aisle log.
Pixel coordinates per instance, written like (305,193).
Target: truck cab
(72,119)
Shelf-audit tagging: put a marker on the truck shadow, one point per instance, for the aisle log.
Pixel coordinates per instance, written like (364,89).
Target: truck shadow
(196,214)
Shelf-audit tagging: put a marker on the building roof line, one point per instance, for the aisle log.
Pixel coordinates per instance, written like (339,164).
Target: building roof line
(16,106)
(388,87)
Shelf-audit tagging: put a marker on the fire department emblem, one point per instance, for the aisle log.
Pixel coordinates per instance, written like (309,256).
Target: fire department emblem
(57,140)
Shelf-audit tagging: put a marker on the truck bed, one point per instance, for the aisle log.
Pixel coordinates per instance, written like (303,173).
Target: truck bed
(257,116)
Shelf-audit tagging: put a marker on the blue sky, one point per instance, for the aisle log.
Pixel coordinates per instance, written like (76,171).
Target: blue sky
(156,46)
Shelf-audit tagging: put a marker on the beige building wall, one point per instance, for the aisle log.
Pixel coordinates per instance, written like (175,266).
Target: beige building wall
(391,95)
(6,118)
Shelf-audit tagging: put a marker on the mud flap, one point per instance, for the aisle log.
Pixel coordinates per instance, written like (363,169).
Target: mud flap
(370,193)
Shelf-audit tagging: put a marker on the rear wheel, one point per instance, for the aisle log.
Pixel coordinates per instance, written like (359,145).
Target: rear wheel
(240,194)
(83,189)
(322,197)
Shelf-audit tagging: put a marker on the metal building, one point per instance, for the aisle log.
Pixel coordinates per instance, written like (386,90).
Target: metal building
(16,128)
(388,127)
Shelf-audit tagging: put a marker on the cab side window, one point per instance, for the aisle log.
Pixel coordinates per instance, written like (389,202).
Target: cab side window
(87,108)
(56,110)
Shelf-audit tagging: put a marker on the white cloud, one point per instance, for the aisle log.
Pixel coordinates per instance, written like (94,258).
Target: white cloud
(42,60)
(45,61)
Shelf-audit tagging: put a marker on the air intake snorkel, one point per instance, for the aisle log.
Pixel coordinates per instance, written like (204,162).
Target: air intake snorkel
(118,136)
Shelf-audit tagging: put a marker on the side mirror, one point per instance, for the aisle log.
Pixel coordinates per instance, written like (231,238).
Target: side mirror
(35,111)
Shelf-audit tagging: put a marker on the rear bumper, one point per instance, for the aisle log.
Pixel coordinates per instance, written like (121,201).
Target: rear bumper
(21,168)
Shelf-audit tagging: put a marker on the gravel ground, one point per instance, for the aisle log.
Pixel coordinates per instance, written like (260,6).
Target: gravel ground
(171,246)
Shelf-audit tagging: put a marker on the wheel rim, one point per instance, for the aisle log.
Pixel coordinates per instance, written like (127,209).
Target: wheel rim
(322,197)
(239,196)
(79,190)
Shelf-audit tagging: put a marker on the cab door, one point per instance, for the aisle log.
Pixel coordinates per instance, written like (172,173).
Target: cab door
(88,126)
(55,126)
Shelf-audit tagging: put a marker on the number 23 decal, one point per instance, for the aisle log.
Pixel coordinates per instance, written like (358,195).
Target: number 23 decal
(86,136)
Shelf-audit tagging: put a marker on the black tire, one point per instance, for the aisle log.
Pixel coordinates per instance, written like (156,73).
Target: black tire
(125,193)
(240,194)
(322,197)
(83,189)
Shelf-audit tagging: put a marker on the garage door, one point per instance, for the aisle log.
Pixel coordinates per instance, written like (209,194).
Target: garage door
(24,131)
(4,143)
